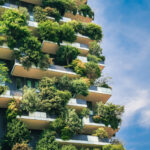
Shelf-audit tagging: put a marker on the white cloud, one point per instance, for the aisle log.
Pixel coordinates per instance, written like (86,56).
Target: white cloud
(122,61)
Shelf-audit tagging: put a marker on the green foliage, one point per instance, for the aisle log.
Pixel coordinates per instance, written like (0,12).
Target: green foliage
(52,99)
(85,10)
(30,101)
(2,2)
(49,31)
(66,133)
(17,132)
(32,54)
(79,87)
(93,58)
(68,147)
(96,50)
(113,147)
(4,73)
(2,40)
(67,33)
(85,112)
(3,89)
(66,54)
(21,146)
(53,12)
(47,141)
(13,110)
(61,5)
(39,14)
(110,114)
(92,71)
(96,119)
(73,122)
(24,11)
(101,133)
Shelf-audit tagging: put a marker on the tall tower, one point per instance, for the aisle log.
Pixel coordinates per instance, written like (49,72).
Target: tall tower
(53,91)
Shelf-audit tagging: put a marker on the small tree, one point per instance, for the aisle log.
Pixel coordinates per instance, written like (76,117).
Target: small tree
(49,31)
(92,71)
(101,133)
(113,147)
(66,54)
(47,141)
(17,132)
(24,11)
(30,100)
(21,146)
(67,33)
(68,147)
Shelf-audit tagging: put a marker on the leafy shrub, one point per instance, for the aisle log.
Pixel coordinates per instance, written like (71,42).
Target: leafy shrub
(96,50)
(30,100)
(47,141)
(68,147)
(2,40)
(67,33)
(24,11)
(3,89)
(79,87)
(101,133)
(85,10)
(13,110)
(49,31)
(92,71)
(2,2)
(85,112)
(21,146)
(110,114)
(93,58)
(96,118)
(61,5)
(53,12)
(39,14)
(66,133)
(13,134)
(113,147)
(66,54)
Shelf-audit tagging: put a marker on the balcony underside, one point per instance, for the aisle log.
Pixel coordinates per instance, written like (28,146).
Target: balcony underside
(5,53)
(51,48)
(96,97)
(83,39)
(4,100)
(37,73)
(34,124)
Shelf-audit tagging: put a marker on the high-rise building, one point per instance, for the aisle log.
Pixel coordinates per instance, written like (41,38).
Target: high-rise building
(59,40)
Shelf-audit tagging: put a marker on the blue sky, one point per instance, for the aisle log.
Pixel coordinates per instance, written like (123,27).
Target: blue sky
(126,45)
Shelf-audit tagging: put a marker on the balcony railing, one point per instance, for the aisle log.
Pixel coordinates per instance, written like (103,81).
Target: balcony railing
(63,20)
(85,140)
(9,6)
(37,120)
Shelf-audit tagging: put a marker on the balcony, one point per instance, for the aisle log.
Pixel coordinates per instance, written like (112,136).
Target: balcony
(84,140)
(77,104)
(84,60)
(35,2)
(8,6)
(5,98)
(90,126)
(51,47)
(36,120)
(97,94)
(63,20)
(5,52)
(37,73)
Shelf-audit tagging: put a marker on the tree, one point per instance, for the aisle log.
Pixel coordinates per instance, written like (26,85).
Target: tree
(66,54)
(93,58)
(101,133)
(113,147)
(68,147)
(92,71)
(67,33)
(24,11)
(16,132)
(47,141)
(79,87)
(110,114)
(49,31)
(21,146)
(30,100)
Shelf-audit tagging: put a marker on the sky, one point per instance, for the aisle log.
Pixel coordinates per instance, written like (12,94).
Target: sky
(126,45)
